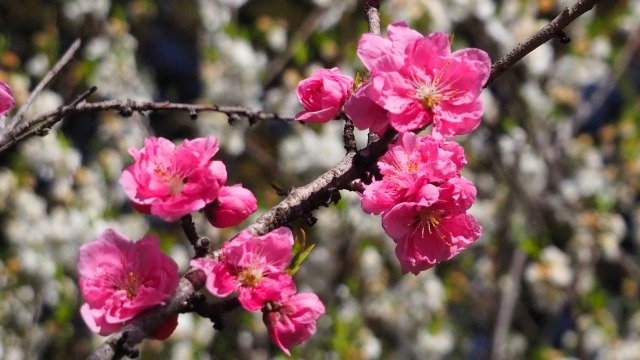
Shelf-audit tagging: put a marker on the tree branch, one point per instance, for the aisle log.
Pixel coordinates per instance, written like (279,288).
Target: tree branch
(348,136)
(201,245)
(64,60)
(550,31)
(307,198)
(127,107)
(373,16)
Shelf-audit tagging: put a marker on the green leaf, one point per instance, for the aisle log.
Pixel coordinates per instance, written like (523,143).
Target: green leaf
(299,259)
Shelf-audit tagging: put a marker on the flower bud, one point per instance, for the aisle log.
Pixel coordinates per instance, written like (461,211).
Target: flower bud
(233,206)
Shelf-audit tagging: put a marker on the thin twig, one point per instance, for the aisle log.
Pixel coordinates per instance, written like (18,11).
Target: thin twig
(127,108)
(64,60)
(201,245)
(46,125)
(28,129)
(373,19)
(373,16)
(550,31)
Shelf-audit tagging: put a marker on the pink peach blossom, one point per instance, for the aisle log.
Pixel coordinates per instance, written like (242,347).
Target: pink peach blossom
(434,226)
(233,206)
(7,102)
(322,95)
(120,278)
(171,181)
(378,54)
(380,196)
(407,165)
(252,266)
(418,81)
(291,320)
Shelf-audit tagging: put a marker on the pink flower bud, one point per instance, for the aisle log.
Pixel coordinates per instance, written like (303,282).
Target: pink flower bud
(323,94)
(6,98)
(233,206)
(292,321)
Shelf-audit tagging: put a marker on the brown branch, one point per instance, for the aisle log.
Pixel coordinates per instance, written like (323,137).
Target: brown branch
(300,201)
(307,198)
(373,16)
(550,31)
(127,108)
(64,60)
(373,20)
(200,244)
(348,136)
(214,311)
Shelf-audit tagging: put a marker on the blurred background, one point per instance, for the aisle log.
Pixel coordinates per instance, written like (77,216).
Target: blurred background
(556,274)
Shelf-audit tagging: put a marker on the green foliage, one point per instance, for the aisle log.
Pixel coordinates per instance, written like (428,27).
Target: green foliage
(300,252)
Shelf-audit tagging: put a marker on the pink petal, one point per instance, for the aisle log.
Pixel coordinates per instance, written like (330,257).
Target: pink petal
(364,112)
(7,102)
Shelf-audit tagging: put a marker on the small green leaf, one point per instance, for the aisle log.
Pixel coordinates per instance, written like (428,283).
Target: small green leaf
(299,258)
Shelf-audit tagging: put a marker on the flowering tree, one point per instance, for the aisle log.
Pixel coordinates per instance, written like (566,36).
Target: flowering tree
(413,99)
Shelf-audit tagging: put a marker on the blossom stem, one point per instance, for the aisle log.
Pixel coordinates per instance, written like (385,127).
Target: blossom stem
(64,60)
(349,137)
(200,245)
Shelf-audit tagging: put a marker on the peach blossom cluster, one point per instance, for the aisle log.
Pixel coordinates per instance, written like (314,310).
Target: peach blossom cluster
(256,268)
(414,81)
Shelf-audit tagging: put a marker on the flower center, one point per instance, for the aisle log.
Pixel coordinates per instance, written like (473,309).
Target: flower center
(427,222)
(250,277)
(174,180)
(429,95)
(129,282)
(432,92)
